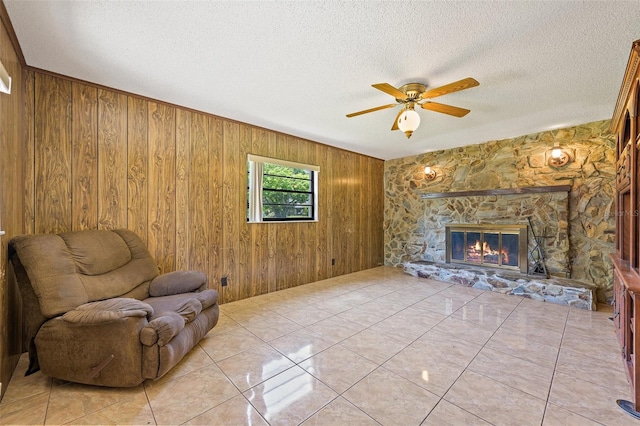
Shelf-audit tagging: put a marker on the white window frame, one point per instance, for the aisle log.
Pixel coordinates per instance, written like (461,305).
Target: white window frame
(255,173)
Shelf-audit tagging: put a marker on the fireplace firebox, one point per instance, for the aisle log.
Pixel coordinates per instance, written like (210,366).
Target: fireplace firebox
(499,246)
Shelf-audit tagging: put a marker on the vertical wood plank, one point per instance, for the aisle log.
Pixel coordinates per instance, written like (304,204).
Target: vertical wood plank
(342,219)
(216,134)
(84,166)
(360,212)
(29,154)
(199,194)
(162,185)
(377,219)
(53,154)
(368,213)
(351,246)
(230,203)
(332,220)
(322,254)
(137,167)
(245,271)
(112,160)
(183,127)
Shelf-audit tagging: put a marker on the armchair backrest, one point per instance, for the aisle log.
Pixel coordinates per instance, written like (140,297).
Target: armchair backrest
(69,269)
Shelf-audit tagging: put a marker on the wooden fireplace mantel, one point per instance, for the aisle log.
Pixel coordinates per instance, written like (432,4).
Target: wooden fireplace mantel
(505,191)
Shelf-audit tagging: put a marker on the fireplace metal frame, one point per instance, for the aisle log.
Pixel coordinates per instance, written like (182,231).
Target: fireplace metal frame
(523,244)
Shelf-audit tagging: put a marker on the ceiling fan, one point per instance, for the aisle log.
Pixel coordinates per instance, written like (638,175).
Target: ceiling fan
(413,94)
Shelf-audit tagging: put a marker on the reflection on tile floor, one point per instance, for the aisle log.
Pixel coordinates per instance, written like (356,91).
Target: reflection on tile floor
(373,347)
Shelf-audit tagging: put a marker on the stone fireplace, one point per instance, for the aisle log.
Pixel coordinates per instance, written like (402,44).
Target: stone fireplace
(479,239)
(494,245)
(547,212)
(578,224)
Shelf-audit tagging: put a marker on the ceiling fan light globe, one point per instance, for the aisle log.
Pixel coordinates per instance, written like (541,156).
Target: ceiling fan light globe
(408,121)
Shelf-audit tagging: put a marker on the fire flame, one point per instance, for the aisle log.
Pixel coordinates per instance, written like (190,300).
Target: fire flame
(486,249)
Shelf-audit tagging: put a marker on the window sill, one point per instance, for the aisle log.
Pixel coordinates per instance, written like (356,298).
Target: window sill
(287,221)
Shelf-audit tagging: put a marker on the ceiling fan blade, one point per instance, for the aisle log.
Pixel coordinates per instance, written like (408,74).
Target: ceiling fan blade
(445,109)
(395,122)
(353,114)
(456,86)
(387,88)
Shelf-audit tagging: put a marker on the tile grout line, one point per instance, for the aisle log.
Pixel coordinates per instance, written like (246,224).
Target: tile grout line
(555,365)
(144,388)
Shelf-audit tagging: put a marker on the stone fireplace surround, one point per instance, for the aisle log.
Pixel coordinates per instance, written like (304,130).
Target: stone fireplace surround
(548,212)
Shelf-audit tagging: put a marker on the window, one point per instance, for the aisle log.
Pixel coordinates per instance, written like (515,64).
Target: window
(280,190)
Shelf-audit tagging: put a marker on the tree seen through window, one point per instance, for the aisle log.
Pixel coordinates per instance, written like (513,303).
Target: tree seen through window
(287,193)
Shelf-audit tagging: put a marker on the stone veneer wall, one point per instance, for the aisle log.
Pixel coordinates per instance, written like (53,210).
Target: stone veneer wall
(413,226)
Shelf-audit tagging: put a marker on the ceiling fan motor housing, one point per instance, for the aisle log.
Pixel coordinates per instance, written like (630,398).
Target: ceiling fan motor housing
(413,91)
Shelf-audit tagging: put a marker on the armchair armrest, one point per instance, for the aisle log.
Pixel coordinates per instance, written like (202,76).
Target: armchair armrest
(162,329)
(108,310)
(177,282)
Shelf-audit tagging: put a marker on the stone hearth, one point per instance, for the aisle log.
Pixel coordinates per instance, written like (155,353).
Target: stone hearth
(554,290)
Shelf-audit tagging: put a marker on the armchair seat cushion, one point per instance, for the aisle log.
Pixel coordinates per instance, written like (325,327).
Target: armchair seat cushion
(184,304)
(108,310)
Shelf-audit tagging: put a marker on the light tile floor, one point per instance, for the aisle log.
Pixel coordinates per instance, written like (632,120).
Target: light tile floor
(373,347)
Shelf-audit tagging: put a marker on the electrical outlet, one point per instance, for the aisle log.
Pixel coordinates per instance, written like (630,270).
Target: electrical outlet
(333,262)
(223,281)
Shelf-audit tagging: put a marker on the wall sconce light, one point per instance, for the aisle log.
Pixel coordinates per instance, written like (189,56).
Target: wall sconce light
(559,157)
(429,173)
(5,80)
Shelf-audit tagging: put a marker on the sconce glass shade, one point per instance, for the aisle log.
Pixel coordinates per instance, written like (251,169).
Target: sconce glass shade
(408,122)
(556,153)
(429,173)
(559,157)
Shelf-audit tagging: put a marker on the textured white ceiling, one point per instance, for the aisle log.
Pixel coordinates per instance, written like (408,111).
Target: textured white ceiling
(299,66)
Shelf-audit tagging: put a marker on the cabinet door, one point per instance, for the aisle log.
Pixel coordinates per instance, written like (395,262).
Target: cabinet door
(618,307)
(628,324)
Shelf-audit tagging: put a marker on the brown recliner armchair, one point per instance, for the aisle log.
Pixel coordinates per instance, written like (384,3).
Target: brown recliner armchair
(96,311)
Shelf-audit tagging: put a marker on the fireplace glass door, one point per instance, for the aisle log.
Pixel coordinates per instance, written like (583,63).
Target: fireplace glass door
(503,246)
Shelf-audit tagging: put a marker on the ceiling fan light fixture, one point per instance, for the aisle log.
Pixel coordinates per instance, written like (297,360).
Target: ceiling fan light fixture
(408,122)
(412,94)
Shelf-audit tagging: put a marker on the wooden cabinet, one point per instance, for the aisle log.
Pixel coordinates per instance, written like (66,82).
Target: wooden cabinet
(626,261)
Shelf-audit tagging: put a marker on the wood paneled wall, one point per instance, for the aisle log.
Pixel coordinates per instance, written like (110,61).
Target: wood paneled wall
(11,203)
(103,159)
